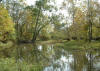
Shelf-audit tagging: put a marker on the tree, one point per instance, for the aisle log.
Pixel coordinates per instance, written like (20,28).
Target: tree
(41,20)
(16,10)
(6,25)
(90,20)
(72,10)
(77,30)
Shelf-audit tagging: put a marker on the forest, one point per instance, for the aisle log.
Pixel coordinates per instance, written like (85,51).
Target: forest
(37,30)
(43,21)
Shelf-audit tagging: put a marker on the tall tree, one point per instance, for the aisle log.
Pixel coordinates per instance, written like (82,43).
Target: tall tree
(41,20)
(90,19)
(15,9)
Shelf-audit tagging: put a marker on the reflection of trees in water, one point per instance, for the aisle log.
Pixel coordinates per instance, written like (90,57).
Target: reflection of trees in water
(32,55)
(29,53)
(59,64)
(50,56)
(90,65)
(80,61)
(91,59)
(84,60)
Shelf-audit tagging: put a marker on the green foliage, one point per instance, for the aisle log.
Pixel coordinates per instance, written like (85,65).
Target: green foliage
(45,33)
(31,21)
(6,25)
(26,36)
(57,35)
(44,36)
(79,45)
(96,32)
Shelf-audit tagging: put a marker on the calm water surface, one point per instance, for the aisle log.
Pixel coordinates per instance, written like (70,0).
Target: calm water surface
(49,57)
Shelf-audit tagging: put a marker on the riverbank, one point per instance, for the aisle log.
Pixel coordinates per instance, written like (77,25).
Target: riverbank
(82,45)
(51,41)
(73,44)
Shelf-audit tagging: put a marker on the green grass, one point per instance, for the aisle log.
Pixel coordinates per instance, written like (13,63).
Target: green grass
(51,41)
(73,44)
(94,45)
(81,45)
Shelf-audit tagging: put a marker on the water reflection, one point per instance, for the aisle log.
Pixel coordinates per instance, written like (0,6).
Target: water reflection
(51,58)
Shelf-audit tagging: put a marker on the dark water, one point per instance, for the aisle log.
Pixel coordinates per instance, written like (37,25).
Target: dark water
(48,57)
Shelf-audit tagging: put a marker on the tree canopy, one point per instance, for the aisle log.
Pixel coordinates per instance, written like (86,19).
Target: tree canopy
(6,24)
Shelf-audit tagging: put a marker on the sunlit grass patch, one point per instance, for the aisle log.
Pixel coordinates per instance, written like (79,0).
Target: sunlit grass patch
(74,44)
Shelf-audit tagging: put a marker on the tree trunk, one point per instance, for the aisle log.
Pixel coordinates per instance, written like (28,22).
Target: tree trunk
(36,26)
(89,21)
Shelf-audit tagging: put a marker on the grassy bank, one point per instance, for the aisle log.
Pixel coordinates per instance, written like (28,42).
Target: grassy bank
(79,45)
(73,44)
(51,41)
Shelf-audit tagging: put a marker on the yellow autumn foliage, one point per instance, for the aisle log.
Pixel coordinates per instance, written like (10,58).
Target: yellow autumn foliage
(6,24)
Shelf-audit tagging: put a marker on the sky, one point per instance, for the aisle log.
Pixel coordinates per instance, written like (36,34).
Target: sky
(58,4)
(31,2)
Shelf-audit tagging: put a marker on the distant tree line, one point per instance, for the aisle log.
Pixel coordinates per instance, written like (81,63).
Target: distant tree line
(23,23)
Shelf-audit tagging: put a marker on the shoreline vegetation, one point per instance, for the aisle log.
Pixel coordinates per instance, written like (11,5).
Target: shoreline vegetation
(63,35)
(22,24)
(80,45)
(72,44)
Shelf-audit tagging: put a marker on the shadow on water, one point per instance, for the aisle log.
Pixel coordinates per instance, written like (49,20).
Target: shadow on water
(48,57)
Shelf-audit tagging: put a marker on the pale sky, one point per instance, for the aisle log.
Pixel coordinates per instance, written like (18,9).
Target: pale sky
(31,2)
(58,3)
